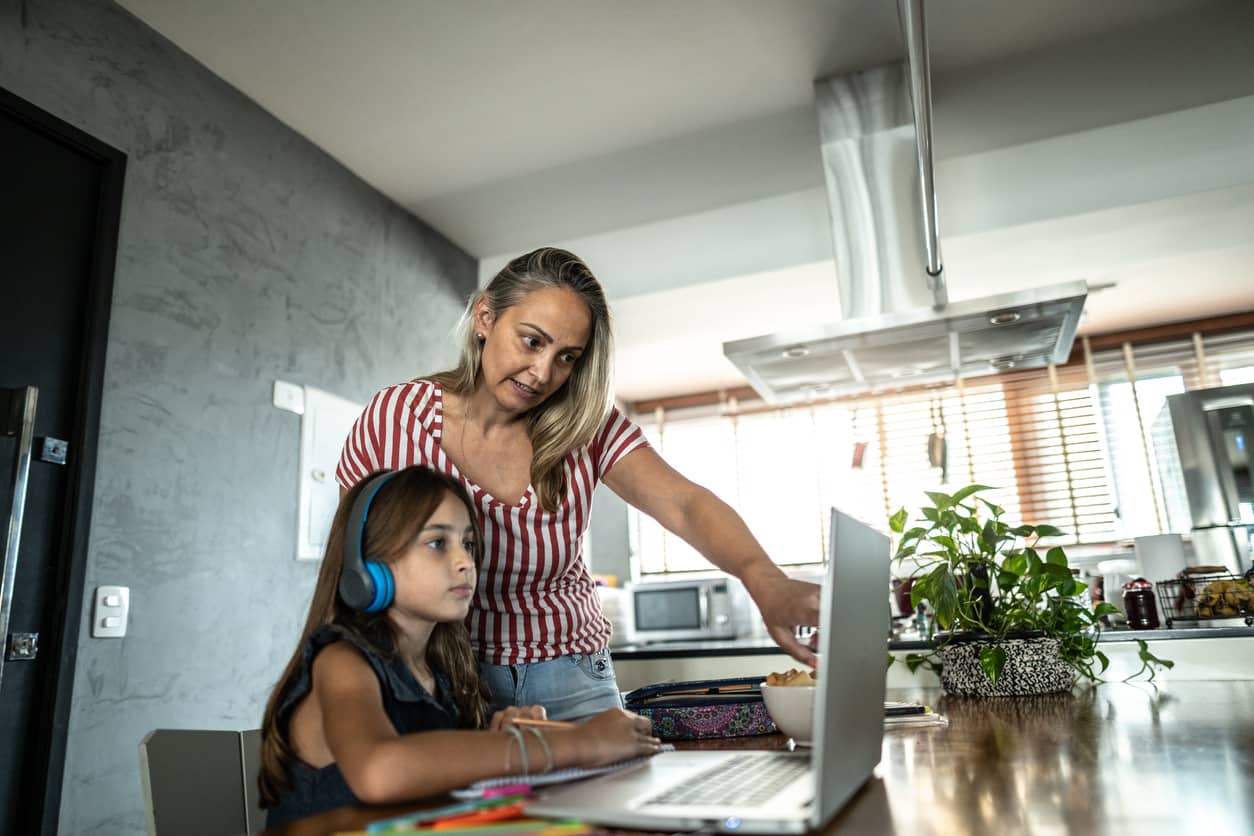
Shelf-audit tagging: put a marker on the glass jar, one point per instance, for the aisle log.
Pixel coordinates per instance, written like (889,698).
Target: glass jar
(1138,604)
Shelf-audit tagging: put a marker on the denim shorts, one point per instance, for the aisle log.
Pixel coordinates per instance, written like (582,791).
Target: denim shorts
(570,687)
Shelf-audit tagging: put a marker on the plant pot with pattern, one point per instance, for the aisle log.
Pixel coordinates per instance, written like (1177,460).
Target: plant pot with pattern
(1014,620)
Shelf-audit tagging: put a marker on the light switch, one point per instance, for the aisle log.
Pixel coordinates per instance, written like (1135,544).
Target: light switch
(109,614)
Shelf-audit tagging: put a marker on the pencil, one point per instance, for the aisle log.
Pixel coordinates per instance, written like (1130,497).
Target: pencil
(543,724)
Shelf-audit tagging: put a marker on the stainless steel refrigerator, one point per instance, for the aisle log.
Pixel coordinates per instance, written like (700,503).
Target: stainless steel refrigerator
(1214,429)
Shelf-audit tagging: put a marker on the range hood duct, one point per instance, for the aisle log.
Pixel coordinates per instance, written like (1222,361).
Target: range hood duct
(898,327)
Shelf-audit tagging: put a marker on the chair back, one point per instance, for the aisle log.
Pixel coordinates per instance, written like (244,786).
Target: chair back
(200,782)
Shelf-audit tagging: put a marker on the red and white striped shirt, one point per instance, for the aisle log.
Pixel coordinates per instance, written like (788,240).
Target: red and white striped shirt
(535,599)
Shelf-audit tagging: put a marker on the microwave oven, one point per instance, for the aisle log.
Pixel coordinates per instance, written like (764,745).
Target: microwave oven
(690,610)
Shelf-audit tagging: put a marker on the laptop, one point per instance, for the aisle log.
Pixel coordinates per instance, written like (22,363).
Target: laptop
(747,791)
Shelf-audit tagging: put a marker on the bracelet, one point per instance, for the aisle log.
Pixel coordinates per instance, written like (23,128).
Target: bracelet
(522,750)
(548,753)
(507,743)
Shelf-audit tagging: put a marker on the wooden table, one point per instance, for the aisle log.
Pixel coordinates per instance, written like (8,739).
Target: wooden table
(1114,759)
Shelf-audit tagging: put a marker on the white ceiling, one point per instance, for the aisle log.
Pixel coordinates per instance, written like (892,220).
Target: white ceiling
(672,145)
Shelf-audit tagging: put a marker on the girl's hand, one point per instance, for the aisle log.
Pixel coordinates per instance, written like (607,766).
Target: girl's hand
(616,735)
(507,715)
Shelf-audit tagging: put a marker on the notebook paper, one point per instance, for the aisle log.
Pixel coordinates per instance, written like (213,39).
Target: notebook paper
(557,776)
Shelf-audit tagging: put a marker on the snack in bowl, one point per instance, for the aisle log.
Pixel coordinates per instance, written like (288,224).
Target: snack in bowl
(790,705)
(791,678)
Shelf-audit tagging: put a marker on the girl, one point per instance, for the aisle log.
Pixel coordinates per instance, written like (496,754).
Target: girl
(383,705)
(525,423)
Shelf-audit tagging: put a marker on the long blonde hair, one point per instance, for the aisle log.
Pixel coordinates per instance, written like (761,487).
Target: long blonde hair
(397,515)
(570,417)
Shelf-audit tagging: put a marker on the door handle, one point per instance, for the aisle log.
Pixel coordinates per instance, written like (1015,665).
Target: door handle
(17,417)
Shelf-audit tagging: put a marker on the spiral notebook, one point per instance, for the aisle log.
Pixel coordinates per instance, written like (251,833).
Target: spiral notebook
(557,776)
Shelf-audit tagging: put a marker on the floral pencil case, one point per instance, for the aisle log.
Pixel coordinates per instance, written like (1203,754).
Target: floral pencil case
(703,708)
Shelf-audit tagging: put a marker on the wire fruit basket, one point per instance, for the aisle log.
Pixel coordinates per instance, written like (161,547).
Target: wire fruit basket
(1203,593)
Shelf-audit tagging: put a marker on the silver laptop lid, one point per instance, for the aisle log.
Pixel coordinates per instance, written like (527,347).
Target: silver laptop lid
(849,701)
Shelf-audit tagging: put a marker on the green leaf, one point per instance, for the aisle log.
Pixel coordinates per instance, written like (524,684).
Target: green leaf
(1016,562)
(1058,577)
(989,537)
(891,659)
(1105,608)
(969,525)
(913,534)
(1056,556)
(930,514)
(920,591)
(1103,659)
(947,542)
(1071,622)
(993,660)
(897,522)
(1049,531)
(1034,562)
(996,510)
(904,550)
(940,500)
(963,493)
(945,595)
(1053,570)
(1150,658)
(1023,530)
(913,660)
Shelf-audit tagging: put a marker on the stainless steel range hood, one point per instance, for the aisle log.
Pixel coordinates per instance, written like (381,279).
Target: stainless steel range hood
(898,327)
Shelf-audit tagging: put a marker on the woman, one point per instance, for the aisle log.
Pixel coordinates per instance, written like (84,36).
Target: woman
(525,423)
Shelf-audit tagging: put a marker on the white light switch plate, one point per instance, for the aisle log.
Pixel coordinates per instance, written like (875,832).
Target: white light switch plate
(109,613)
(289,396)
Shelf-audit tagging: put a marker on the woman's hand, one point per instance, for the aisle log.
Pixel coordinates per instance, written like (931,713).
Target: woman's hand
(786,604)
(615,735)
(508,715)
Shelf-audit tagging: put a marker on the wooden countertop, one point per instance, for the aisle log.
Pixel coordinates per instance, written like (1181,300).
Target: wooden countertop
(1111,759)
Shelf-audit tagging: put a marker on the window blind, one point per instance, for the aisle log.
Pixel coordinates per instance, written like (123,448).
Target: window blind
(1086,447)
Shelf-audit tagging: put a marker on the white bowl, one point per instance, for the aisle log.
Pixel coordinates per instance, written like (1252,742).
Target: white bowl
(791,708)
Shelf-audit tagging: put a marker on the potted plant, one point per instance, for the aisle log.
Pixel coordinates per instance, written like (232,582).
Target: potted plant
(1011,618)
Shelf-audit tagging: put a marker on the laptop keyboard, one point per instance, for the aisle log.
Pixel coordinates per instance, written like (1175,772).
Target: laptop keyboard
(745,780)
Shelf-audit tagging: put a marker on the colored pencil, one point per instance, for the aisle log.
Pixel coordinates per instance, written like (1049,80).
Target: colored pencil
(543,724)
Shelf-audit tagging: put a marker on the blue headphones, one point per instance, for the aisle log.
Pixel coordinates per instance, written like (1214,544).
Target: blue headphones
(365,585)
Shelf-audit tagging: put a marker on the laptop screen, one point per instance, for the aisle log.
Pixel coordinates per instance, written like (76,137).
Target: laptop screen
(853,630)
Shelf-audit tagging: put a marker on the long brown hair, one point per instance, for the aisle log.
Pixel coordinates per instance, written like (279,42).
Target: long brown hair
(398,513)
(570,416)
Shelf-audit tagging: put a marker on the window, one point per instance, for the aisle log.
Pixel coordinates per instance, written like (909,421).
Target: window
(1087,447)
(1241,374)
(1144,474)
(703,449)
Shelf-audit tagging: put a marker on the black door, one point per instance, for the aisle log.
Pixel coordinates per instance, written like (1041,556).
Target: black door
(59,207)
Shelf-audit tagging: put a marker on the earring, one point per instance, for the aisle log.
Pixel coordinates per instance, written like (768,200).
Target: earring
(479,337)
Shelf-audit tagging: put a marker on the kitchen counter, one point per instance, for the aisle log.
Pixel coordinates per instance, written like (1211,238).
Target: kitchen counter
(1215,653)
(758,645)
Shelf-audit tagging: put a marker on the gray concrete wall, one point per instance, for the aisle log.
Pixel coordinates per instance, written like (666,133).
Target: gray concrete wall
(245,255)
